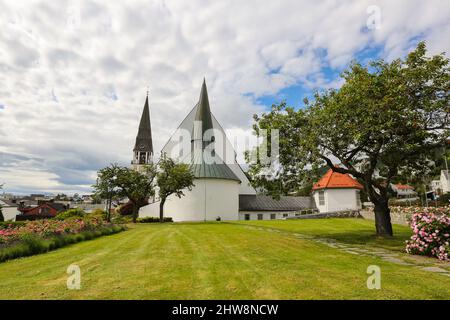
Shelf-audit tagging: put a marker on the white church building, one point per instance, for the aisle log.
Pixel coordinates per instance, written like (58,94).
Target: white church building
(221,189)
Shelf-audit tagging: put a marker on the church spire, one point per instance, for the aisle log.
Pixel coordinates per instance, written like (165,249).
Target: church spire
(202,121)
(143,147)
(203,111)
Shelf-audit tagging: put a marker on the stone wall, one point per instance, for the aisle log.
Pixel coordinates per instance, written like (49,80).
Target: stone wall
(397,215)
(339,214)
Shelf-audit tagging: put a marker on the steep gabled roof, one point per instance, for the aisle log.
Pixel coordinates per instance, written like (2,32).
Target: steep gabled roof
(203,113)
(144,140)
(335,180)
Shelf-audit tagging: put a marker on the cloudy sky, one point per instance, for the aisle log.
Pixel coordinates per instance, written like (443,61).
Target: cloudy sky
(74,74)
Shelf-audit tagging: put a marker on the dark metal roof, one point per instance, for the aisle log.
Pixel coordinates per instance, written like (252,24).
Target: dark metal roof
(57,206)
(267,203)
(216,170)
(9,203)
(203,113)
(144,137)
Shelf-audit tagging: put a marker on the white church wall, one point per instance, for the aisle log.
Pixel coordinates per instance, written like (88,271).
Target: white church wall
(209,199)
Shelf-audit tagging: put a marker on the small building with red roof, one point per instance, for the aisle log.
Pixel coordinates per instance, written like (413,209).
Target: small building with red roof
(336,192)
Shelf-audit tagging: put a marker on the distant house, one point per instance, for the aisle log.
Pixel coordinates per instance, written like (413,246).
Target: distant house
(436,187)
(445,181)
(38,197)
(337,192)
(403,191)
(42,211)
(9,210)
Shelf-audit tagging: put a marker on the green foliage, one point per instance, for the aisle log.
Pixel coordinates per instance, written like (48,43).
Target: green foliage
(119,219)
(98,213)
(11,224)
(153,220)
(444,200)
(71,213)
(172,178)
(386,118)
(126,182)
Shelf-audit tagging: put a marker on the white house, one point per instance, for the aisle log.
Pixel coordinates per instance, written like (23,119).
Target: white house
(9,210)
(445,181)
(337,192)
(403,190)
(436,186)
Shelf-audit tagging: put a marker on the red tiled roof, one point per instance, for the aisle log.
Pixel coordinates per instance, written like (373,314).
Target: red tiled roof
(403,186)
(336,180)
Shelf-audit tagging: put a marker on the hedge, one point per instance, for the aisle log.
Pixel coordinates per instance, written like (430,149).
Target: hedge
(153,220)
(32,244)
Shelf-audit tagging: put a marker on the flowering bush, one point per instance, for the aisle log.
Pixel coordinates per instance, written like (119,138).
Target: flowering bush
(431,227)
(47,228)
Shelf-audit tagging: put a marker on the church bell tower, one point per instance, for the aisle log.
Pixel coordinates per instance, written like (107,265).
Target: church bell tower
(143,148)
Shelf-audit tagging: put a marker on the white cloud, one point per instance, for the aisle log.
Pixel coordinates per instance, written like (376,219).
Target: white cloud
(74,74)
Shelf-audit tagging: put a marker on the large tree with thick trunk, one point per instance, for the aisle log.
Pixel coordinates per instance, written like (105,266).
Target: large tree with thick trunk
(384,123)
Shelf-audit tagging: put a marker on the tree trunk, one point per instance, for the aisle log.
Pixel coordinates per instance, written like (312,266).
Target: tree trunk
(135,212)
(383,218)
(108,214)
(161,211)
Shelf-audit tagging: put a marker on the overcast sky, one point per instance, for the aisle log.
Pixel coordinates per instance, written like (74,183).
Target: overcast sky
(74,74)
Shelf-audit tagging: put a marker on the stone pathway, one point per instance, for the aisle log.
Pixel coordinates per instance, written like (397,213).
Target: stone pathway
(384,254)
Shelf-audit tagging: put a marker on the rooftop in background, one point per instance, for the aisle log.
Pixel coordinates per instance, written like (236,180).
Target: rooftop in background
(403,186)
(335,180)
(267,203)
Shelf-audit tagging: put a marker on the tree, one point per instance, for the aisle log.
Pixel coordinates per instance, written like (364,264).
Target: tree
(126,182)
(105,187)
(383,123)
(172,178)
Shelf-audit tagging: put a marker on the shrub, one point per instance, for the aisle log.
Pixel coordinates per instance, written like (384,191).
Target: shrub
(153,220)
(126,209)
(71,213)
(444,200)
(11,224)
(122,219)
(98,213)
(31,244)
(431,233)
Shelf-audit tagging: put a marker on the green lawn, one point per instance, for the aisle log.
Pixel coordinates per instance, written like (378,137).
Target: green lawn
(350,231)
(218,261)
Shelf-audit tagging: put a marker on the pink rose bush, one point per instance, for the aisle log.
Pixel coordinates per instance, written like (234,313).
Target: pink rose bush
(431,227)
(47,228)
